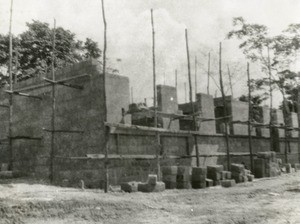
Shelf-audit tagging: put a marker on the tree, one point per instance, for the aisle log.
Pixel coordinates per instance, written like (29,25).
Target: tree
(32,50)
(273,53)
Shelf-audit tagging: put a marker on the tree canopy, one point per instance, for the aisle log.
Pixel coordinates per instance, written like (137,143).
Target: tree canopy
(274,54)
(32,50)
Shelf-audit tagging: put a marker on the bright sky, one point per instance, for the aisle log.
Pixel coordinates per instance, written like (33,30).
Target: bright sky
(129,33)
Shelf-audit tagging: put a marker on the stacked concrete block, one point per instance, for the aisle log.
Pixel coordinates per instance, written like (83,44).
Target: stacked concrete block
(266,165)
(167,103)
(228,183)
(152,185)
(293,122)
(205,108)
(296,166)
(169,176)
(277,118)
(199,177)
(209,182)
(262,116)
(215,173)
(4,166)
(238,111)
(238,173)
(183,180)
(288,168)
(130,187)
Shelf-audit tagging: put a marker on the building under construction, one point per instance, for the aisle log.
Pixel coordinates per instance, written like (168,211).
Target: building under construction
(73,148)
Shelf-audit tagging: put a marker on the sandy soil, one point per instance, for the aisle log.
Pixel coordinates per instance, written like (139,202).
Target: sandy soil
(272,201)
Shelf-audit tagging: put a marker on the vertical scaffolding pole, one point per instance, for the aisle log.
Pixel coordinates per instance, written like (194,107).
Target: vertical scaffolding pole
(11,89)
(208,73)
(195,77)
(176,80)
(107,129)
(271,98)
(155,99)
(53,105)
(230,82)
(225,108)
(191,97)
(298,112)
(250,119)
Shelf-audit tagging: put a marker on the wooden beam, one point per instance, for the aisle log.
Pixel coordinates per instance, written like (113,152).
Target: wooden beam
(2,105)
(67,131)
(23,94)
(63,83)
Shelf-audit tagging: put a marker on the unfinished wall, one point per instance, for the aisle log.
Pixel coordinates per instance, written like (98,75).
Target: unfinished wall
(167,102)
(79,110)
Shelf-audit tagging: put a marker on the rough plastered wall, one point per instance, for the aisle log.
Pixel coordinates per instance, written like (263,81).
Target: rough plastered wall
(75,110)
(167,102)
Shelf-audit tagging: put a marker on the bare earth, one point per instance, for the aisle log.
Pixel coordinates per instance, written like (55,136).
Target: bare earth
(272,200)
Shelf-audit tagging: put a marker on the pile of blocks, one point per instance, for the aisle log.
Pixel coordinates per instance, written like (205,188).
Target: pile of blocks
(266,165)
(240,174)
(199,177)
(169,176)
(296,166)
(4,172)
(183,179)
(152,185)
(214,173)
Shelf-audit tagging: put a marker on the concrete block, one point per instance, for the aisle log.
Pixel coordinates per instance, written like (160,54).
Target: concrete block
(223,175)
(172,170)
(183,185)
(250,177)
(237,168)
(199,185)
(198,178)
(209,183)
(6,174)
(170,185)
(183,178)
(169,178)
(199,171)
(288,168)
(183,170)
(215,168)
(228,175)
(152,179)
(296,166)
(217,182)
(130,186)
(145,187)
(228,183)
(214,172)
(259,168)
(4,166)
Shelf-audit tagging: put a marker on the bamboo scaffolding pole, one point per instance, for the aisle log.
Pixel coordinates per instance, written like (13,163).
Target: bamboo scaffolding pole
(208,73)
(53,112)
(176,87)
(298,112)
(11,89)
(271,98)
(158,150)
(230,82)
(191,97)
(104,99)
(195,78)
(250,119)
(225,108)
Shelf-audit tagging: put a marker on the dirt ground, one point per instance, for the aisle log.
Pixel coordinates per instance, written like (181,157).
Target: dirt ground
(271,200)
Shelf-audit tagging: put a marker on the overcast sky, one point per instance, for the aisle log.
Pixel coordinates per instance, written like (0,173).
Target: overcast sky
(129,33)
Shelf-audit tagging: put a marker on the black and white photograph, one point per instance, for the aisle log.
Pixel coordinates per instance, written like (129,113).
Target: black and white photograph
(150,111)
